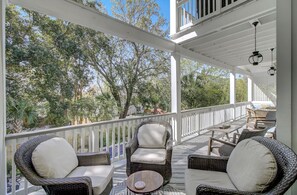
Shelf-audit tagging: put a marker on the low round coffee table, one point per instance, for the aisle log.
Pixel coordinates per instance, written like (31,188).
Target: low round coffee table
(152,180)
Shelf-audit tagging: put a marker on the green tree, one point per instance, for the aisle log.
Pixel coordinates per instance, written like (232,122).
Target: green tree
(241,89)
(21,114)
(203,85)
(122,64)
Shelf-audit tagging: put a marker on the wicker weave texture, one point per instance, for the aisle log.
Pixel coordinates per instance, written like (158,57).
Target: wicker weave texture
(59,186)
(164,170)
(286,174)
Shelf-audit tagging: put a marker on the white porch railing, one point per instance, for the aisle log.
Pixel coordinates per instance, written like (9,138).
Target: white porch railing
(196,120)
(191,12)
(112,135)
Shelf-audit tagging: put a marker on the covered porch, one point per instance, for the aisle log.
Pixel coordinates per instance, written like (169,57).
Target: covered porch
(189,127)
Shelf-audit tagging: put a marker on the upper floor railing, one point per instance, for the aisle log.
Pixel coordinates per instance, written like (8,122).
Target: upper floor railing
(190,12)
(113,135)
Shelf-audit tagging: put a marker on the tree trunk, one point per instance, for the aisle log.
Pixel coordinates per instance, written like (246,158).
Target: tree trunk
(127,104)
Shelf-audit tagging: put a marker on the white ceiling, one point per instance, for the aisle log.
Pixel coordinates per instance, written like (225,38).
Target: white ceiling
(233,44)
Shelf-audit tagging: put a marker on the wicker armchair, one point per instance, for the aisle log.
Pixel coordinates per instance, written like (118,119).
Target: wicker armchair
(60,186)
(286,174)
(163,168)
(225,148)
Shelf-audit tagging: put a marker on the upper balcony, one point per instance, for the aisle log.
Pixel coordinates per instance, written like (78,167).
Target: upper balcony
(192,12)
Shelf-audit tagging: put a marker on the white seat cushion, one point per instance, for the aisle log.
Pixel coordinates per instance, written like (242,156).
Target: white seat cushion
(100,176)
(54,158)
(151,136)
(195,177)
(149,156)
(251,166)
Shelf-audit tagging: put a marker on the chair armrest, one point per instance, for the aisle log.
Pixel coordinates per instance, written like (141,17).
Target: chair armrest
(169,144)
(202,162)
(212,139)
(169,148)
(207,189)
(69,185)
(131,146)
(94,158)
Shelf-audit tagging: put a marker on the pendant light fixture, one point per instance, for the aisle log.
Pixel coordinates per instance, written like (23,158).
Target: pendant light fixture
(272,69)
(256,57)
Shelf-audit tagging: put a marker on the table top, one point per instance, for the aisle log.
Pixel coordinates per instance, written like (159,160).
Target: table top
(152,180)
(230,129)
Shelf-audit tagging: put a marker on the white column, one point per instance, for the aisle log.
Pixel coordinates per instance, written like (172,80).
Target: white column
(176,95)
(286,28)
(233,91)
(2,100)
(250,89)
(173,17)
(284,78)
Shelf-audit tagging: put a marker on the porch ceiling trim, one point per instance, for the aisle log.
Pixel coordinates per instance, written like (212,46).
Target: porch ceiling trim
(88,17)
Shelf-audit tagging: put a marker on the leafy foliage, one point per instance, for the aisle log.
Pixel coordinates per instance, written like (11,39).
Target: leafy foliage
(60,73)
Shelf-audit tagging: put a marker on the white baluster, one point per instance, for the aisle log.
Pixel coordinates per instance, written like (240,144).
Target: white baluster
(208,7)
(91,140)
(200,9)
(74,141)
(113,140)
(101,134)
(124,138)
(13,168)
(129,131)
(107,132)
(82,139)
(119,139)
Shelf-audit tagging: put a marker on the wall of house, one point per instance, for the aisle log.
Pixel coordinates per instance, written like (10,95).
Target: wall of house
(259,95)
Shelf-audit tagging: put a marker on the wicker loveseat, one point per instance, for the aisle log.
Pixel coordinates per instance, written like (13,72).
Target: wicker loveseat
(146,152)
(256,166)
(91,176)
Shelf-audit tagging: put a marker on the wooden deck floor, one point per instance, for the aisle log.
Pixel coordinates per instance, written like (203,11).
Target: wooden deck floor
(195,145)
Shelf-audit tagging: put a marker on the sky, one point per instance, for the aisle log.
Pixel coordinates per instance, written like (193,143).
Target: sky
(164,7)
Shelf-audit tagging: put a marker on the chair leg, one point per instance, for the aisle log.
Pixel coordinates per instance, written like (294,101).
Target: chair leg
(209,146)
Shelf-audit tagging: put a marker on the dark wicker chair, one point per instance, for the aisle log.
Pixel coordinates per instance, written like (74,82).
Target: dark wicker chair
(164,170)
(225,148)
(59,186)
(286,172)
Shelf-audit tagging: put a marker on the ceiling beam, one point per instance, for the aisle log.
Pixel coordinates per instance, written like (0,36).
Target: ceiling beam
(76,13)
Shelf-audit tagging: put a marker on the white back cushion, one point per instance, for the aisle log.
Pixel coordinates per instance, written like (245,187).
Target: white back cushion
(251,166)
(151,136)
(54,158)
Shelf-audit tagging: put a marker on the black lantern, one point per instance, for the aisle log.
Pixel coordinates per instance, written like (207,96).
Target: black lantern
(256,57)
(272,69)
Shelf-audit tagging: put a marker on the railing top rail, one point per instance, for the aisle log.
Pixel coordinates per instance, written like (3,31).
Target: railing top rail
(214,107)
(68,128)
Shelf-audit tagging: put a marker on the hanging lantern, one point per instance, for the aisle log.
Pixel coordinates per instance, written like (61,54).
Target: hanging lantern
(256,57)
(272,69)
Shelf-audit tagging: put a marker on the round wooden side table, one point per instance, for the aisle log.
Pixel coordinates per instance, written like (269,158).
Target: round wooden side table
(153,181)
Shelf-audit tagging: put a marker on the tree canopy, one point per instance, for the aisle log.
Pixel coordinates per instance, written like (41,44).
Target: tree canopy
(59,73)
